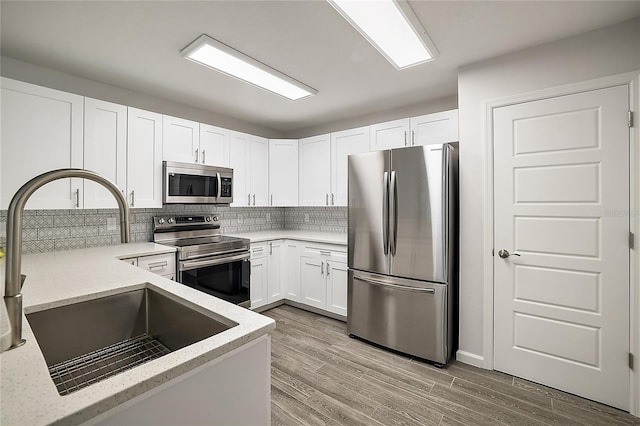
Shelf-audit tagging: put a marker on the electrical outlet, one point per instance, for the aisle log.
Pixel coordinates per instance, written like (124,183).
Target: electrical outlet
(111,224)
(239,219)
(268,217)
(306,217)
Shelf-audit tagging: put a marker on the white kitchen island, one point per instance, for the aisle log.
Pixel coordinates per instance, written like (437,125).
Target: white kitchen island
(223,379)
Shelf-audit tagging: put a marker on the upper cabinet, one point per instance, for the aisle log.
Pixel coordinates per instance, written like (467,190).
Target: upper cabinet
(259,171)
(389,135)
(314,156)
(441,127)
(214,146)
(105,150)
(343,144)
(144,159)
(283,172)
(181,140)
(41,131)
(249,159)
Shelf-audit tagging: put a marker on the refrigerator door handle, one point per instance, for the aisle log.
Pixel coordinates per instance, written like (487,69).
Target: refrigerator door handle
(393,220)
(385,213)
(399,287)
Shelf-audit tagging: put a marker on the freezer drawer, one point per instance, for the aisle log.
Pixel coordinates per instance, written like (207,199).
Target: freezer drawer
(406,315)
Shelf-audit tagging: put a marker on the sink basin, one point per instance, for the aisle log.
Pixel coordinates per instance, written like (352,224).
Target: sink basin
(90,341)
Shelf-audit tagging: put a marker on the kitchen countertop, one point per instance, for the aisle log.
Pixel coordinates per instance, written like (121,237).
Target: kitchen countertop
(291,234)
(27,393)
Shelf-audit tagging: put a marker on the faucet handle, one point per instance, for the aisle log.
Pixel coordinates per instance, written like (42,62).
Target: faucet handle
(22,278)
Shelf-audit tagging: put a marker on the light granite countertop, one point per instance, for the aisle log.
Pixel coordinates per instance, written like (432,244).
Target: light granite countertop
(27,393)
(277,234)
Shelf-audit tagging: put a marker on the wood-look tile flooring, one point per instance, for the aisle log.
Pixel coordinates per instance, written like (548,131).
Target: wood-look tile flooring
(321,376)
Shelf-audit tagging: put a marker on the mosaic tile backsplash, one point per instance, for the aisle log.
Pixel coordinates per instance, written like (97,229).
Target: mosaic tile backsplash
(48,230)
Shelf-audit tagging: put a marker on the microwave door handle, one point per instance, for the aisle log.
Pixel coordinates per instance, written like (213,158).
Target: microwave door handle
(219,184)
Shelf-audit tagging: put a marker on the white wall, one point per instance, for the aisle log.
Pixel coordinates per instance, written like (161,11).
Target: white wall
(30,73)
(609,51)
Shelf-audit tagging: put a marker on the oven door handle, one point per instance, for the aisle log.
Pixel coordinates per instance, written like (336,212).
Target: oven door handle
(186,265)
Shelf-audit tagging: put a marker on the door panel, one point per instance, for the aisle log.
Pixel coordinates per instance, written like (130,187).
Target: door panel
(144,158)
(239,153)
(214,146)
(314,155)
(562,306)
(343,144)
(313,285)
(367,226)
(420,235)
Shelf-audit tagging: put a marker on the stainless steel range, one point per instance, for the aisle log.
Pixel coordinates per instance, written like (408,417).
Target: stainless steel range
(207,260)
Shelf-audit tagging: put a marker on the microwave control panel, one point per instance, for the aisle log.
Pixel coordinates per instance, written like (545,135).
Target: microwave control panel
(225,187)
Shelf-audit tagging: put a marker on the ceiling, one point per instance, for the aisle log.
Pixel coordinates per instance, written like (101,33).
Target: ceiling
(136,45)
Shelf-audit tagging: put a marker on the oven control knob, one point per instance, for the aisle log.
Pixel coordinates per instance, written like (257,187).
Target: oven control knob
(208,218)
(160,221)
(215,218)
(170,220)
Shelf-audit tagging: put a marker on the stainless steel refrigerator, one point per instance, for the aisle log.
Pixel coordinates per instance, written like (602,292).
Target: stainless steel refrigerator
(402,238)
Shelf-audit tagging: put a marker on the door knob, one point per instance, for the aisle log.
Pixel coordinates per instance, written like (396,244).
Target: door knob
(505,253)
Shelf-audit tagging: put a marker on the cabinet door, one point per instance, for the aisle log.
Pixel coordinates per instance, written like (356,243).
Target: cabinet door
(392,134)
(239,161)
(259,279)
(259,171)
(181,140)
(214,146)
(441,127)
(343,144)
(144,158)
(312,282)
(336,287)
(41,131)
(283,172)
(314,155)
(291,270)
(105,150)
(275,281)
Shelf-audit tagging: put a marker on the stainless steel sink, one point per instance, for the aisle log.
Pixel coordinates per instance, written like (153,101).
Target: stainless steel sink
(86,342)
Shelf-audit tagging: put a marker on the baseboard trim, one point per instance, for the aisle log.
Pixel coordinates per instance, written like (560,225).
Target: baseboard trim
(315,310)
(269,306)
(470,358)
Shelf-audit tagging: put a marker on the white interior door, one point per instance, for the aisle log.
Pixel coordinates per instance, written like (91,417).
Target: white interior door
(561,204)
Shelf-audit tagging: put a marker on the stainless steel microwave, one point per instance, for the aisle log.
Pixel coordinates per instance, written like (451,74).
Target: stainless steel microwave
(185,183)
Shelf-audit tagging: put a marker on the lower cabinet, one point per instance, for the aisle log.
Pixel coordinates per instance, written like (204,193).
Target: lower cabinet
(160,264)
(313,274)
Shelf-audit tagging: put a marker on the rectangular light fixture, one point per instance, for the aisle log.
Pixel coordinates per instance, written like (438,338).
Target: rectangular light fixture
(220,57)
(392,27)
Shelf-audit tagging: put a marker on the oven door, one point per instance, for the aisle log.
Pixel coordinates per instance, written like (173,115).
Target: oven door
(226,277)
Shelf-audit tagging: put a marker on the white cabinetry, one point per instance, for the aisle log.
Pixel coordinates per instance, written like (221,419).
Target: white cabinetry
(441,127)
(275,281)
(214,146)
(160,264)
(314,155)
(41,131)
(144,158)
(291,270)
(105,150)
(343,144)
(249,159)
(391,134)
(323,277)
(267,280)
(181,140)
(283,172)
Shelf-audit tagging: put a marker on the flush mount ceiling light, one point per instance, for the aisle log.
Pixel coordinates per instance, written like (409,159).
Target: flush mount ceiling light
(392,27)
(220,57)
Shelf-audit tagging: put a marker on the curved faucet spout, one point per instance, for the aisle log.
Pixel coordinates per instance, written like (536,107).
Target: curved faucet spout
(13,278)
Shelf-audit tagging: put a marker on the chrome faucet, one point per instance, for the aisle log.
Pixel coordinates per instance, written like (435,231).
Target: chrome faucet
(14,279)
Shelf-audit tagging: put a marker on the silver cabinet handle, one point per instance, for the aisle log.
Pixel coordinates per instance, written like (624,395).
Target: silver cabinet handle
(196,155)
(249,199)
(133,198)
(270,247)
(399,287)
(505,253)
(77,198)
(413,139)
(271,199)
(258,250)
(158,265)
(325,252)
(385,213)
(322,268)
(405,138)
(393,207)
(326,198)
(332,199)
(203,156)
(254,199)
(328,269)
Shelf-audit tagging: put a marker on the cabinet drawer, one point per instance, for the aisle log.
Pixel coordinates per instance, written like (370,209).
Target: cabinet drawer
(132,261)
(326,250)
(259,250)
(161,264)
